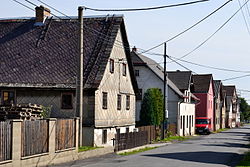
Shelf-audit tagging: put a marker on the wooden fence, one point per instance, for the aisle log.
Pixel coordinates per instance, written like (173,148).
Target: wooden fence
(130,140)
(65,134)
(5,140)
(151,129)
(35,135)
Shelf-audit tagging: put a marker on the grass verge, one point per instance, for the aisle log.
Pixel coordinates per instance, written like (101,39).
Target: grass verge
(137,151)
(221,130)
(174,138)
(87,148)
(245,161)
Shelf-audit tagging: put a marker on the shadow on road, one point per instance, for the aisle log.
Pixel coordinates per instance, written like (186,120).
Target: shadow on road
(210,157)
(228,145)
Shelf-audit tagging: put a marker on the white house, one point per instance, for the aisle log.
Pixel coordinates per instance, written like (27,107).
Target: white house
(149,74)
(186,119)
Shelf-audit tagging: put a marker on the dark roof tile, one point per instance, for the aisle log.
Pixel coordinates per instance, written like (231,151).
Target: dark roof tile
(32,55)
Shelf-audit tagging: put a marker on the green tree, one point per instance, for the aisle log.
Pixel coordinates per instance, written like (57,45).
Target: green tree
(152,107)
(245,110)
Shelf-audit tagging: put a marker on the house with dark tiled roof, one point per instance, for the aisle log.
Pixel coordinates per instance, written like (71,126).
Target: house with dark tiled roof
(183,80)
(149,74)
(219,105)
(38,64)
(232,110)
(203,88)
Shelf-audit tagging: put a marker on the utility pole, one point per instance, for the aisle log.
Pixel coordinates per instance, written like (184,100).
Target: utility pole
(79,84)
(164,91)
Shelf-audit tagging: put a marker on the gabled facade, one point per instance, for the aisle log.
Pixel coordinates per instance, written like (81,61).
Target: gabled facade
(39,65)
(219,105)
(151,75)
(203,89)
(186,120)
(232,106)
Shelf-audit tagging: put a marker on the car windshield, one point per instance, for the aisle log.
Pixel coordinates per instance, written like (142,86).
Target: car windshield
(202,121)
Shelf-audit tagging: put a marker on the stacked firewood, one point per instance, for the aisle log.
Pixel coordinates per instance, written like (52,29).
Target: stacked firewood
(20,111)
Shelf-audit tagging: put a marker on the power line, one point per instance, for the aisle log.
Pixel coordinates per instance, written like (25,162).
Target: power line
(233,78)
(211,67)
(23,5)
(243,15)
(248,11)
(244,90)
(54,9)
(189,28)
(201,44)
(144,9)
(200,65)
(170,57)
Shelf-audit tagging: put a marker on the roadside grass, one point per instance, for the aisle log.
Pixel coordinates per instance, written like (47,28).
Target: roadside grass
(173,138)
(137,151)
(87,148)
(245,161)
(221,130)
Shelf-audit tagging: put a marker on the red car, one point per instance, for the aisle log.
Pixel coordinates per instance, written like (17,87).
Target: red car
(203,125)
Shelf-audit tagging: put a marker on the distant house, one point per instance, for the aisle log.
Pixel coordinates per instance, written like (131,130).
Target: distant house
(203,89)
(232,113)
(149,74)
(183,80)
(219,105)
(38,64)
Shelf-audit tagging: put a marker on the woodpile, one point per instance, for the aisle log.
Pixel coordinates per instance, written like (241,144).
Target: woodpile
(20,111)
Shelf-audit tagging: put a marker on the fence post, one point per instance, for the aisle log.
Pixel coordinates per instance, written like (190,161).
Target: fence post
(52,135)
(16,142)
(76,133)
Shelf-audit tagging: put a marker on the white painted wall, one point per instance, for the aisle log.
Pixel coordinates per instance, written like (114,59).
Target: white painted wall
(147,79)
(187,110)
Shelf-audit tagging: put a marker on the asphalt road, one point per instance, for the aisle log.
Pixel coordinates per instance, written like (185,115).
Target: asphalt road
(221,149)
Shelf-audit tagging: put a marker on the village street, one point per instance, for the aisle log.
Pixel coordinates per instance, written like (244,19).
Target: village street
(221,149)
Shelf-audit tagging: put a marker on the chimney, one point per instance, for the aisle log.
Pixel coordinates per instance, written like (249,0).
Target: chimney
(41,14)
(134,49)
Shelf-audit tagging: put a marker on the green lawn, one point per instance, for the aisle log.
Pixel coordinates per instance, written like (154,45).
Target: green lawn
(87,148)
(245,161)
(138,151)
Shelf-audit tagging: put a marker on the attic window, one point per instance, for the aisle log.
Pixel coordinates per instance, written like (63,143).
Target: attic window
(127,102)
(111,65)
(104,100)
(119,102)
(67,101)
(124,69)
(137,73)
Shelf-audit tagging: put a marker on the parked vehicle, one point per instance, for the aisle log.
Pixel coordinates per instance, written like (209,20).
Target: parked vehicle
(203,125)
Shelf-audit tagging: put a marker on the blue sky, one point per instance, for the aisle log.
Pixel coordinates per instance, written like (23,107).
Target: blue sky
(229,48)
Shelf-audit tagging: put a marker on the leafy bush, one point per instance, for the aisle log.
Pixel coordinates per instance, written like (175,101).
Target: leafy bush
(152,107)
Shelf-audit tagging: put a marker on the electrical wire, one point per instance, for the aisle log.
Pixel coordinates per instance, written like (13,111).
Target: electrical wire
(144,9)
(174,59)
(248,11)
(243,15)
(54,9)
(202,43)
(23,5)
(215,68)
(189,28)
(233,78)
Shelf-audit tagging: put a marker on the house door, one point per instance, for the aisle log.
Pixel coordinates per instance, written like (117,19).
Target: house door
(183,125)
